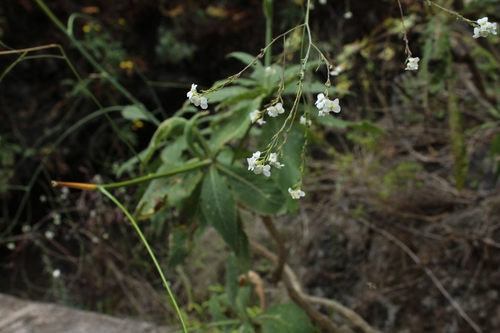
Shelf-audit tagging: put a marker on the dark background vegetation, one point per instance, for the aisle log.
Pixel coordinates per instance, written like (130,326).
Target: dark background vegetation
(402,181)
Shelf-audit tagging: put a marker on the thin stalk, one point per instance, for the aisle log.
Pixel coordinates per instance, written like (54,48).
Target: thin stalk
(150,251)
(91,59)
(135,181)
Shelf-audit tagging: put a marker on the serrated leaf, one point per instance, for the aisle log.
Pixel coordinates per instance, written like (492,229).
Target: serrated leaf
(168,191)
(260,194)
(219,207)
(284,318)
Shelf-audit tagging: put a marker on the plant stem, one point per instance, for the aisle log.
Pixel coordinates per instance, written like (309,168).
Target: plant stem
(91,187)
(150,251)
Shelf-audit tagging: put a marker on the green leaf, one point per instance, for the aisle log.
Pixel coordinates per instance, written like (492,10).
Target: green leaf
(244,96)
(234,128)
(168,191)
(247,59)
(215,309)
(129,164)
(284,318)
(133,112)
(260,194)
(219,207)
(246,328)
(226,93)
(192,136)
(179,248)
(171,127)
(232,280)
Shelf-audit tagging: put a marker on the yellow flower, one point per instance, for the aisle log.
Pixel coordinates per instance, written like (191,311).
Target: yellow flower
(137,124)
(97,27)
(86,28)
(126,64)
(121,21)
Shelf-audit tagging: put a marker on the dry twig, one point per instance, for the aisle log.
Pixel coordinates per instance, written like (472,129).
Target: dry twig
(426,269)
(303,300)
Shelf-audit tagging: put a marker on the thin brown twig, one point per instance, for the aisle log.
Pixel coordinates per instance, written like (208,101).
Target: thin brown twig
(271,228)
(303,300)
(427,270)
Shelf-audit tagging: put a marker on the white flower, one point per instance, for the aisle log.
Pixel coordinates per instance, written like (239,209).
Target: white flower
(305,121)
(261,168)
(56,273)
(296,194)
(323,2)
(273,160)
(11,246)
(43,198)
(261,121)
(332,106)
(325,105)
(254,116)
(484,28)
(204,103)
(252,161)
(26,228)
(320,101)
(348,15)
(196,98)
(270,71)
(49,234)
(336,71)
(192,91)
(412,64)
(273,111)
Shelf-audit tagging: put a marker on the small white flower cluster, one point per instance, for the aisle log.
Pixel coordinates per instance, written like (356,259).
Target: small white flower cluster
(412,64)
(272,111)
(484,28)
(258,167)
(296,194)
(335,71)
(325,105)
(196,98)
(256,116)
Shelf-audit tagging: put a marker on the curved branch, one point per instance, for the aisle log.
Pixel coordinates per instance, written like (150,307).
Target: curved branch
(302,300)
(278,270)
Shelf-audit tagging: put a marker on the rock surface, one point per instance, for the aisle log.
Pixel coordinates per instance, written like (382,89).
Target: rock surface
(20,316)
